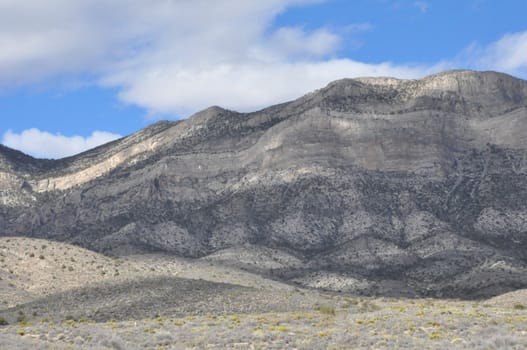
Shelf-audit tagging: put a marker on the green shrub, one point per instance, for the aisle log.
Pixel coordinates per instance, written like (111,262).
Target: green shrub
(22,321)
(435,335)
(327,310)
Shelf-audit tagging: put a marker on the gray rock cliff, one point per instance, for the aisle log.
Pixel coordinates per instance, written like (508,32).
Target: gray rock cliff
(371,185)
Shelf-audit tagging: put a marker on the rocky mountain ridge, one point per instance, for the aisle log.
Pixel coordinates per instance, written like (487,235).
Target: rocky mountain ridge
(371,185)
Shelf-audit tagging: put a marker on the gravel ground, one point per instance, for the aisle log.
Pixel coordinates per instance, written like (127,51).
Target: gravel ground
(348,323)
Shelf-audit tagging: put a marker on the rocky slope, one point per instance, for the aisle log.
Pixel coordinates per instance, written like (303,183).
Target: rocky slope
(373,185)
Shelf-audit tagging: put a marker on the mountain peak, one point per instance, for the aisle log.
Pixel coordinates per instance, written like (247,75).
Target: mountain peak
(476,94)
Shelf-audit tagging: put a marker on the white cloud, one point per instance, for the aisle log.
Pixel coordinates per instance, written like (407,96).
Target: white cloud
(55,37)
(508,54)
(236,62)
(174,57)
(294,41)
(43,144)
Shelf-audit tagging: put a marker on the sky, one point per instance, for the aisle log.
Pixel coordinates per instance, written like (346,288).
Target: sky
(78,73)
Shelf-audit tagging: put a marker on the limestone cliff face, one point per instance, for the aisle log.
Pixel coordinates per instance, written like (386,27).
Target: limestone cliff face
(377,185)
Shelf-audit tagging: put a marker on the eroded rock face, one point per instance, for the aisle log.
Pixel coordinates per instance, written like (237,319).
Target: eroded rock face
(378,185)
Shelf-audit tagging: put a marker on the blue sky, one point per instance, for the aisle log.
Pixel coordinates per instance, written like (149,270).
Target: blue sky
(75,74)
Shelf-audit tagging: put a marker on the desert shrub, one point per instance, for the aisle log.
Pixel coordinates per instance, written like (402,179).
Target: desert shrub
(22,320)
(41,257)
(368,306)
(71,323)
(435,335)
(327,310)
(279,328)
(3,321)
(519,307)
(114,342)
(496,341)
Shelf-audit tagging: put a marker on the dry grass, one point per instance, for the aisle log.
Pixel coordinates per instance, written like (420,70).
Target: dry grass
(398,324)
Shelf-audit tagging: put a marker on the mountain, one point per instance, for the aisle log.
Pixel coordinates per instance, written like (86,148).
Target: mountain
(372,185)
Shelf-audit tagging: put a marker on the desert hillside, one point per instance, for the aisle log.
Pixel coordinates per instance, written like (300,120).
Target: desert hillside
(162,302)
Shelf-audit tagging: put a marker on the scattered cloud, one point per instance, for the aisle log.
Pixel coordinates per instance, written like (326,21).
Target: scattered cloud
(423,6)
(291,42)
(73,36)
(176,57)
(43,144)
(508,54)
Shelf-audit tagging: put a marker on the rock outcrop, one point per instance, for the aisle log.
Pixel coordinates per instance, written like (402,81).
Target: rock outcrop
(371,185)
